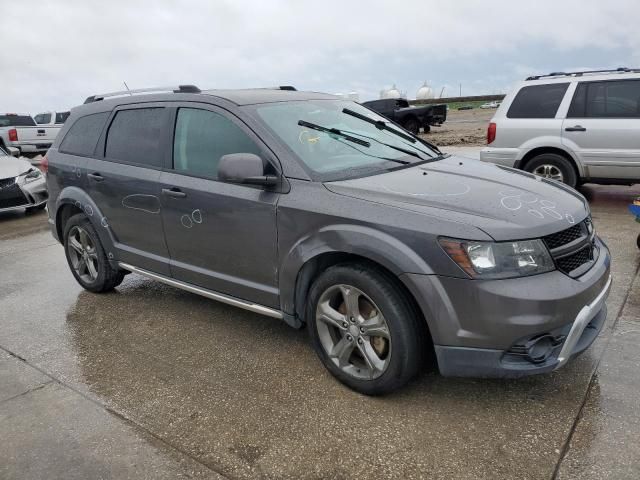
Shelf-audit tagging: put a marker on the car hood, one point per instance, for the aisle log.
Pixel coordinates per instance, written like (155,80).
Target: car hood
(12,167)
(506,204)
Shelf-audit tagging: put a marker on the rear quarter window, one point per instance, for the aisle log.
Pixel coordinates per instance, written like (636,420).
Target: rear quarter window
(82,137)
(135,136)
(537,101)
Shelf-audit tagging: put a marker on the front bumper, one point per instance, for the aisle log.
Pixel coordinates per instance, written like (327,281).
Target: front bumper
(23,195)
(490,328)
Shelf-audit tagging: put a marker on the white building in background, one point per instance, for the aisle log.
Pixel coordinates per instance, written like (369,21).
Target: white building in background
(424,92)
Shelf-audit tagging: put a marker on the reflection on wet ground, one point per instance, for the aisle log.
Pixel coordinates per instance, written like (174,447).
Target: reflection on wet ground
(184,385)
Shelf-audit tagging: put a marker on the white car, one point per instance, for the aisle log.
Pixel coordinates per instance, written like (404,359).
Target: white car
(490,105)
(21,184)
(573,127)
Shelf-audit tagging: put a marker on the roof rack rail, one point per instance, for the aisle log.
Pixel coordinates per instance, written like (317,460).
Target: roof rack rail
(290,88)
(177,89)
(579,74)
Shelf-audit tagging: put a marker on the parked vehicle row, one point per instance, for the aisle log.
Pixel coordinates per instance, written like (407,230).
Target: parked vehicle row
(572,127)
(320,212)
(30,136)
(411,117)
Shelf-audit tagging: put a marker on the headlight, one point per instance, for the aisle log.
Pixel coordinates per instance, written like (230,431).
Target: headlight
(31,175)
(499,259)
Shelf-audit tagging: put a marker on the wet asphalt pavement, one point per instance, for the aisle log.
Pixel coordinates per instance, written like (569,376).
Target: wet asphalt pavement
(154,382)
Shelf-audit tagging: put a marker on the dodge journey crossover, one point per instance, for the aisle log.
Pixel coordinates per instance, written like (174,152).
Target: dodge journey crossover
(320,212)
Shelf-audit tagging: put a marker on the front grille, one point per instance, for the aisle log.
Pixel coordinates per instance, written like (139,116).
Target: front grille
(5,182)
(559,239)
(572,248)
(12,196)
(574,261)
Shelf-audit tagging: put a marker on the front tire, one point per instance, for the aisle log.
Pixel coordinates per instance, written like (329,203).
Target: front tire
(365,330)
(86,256)
(554,166)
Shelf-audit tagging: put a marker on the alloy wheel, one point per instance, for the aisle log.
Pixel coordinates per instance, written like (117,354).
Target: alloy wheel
(353,332)
(83,254)
(549,171)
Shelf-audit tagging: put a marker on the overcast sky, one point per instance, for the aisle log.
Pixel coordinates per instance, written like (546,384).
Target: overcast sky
(56,53)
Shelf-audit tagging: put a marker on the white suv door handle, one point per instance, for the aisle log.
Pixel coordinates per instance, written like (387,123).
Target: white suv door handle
(577,128)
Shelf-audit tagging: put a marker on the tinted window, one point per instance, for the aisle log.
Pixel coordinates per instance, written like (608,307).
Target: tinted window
(82,137)
(538,101)
(612,99)
(16,121)
(135,136)
(202,138)
(61,117)
(43,118)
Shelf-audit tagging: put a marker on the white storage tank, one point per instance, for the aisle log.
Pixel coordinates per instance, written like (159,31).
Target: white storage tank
(392,92)
(424,92)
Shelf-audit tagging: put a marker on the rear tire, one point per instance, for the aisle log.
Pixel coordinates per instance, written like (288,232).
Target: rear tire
(86,257)
(427,128)
(411,124)
(552,165)
(375,350)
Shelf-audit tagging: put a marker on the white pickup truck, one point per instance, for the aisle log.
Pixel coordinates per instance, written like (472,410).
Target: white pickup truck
(20,131)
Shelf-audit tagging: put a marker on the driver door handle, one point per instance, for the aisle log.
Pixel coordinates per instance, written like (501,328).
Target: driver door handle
(174,192)
(95,177)
(577,128)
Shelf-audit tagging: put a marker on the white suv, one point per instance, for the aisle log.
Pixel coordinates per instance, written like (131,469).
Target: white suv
(574,127)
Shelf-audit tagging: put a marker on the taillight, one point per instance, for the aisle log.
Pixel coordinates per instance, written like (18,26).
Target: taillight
(13,135)
(491,133)
(44,164)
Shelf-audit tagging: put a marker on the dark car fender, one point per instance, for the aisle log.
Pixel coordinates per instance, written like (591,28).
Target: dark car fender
(78,198)
(368,243)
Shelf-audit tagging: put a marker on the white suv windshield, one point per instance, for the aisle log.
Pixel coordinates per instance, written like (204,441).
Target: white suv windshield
(354,148)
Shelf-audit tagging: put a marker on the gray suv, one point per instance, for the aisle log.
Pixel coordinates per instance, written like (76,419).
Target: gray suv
(318,211)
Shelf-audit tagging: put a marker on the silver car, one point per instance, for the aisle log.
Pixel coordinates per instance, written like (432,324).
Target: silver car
(575,127)
(21,184)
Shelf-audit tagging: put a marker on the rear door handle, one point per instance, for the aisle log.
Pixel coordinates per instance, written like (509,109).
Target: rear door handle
(173,192)
(95,176)
(577,128)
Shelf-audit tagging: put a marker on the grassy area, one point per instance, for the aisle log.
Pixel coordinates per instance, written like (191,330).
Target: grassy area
(476,104)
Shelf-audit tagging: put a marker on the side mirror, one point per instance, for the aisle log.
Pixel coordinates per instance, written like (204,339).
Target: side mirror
(245,168)
(14,152)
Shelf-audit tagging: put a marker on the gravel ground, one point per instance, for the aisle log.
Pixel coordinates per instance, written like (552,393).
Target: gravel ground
(463,127)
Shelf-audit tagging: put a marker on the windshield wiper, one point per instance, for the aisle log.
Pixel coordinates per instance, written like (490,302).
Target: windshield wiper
(379,124)
(333,131)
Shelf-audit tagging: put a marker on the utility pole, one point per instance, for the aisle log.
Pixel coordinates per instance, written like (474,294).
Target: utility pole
(460,89)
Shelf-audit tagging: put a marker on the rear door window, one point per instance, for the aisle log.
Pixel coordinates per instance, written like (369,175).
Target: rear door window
(82,137)
(135,136)
(202,137)
(537,101)
(610,99)
(9,120)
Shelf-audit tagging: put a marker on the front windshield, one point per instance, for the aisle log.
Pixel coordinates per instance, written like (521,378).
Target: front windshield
(354,148)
